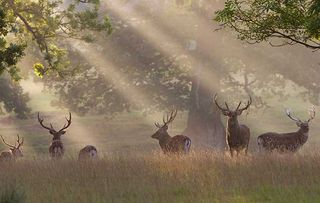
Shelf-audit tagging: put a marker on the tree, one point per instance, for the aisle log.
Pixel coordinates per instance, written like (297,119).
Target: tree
(296,22)
(42,23)
(47,22)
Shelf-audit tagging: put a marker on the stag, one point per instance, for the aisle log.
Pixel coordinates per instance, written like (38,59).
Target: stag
(287,142)
(168,144)
(89,152)
(56,148)
(237,136)
(14,150)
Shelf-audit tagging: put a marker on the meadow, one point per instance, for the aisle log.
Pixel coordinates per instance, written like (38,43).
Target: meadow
(153,177)
(131,167)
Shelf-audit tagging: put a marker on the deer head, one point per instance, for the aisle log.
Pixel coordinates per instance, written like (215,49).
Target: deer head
(303,125)
(163,129)
(232,115)
(56,134)
(15,149)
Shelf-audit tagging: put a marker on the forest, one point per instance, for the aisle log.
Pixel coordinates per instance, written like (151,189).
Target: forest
(159,101)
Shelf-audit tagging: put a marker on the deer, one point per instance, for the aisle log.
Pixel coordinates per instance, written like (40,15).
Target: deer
(56,149)
(89,152)
(287,142)
(14,150)
(168,144)
(237,135)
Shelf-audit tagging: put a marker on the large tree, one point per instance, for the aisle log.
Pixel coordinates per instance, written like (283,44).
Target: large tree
(294,22)
(41,26)
(184,72)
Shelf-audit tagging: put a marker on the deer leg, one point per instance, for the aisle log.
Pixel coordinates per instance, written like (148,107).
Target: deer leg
(231,152)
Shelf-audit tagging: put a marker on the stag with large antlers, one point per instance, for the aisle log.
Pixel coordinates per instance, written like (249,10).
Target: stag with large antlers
(237,136)
(14,150)
(168,144)
(56,148)
(287,142)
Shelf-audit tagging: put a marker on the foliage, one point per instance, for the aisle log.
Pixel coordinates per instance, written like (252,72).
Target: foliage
(297,22)
(48,22)
(10,52)
(13,98)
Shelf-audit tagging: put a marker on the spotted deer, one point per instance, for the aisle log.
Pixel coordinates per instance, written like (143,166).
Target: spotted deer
(89,152)
(14,150)
(168,144)
(287,142)
(237,135)
(56,148)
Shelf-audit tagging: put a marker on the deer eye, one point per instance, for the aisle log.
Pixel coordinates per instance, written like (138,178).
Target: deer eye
(63,132)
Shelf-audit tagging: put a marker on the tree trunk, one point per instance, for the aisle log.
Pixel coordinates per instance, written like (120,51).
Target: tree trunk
(204,124)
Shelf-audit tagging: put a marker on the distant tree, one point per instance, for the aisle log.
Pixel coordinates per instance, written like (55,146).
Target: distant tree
(296,22)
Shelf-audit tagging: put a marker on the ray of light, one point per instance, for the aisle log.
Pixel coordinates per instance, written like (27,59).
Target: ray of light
(112,74)
(158,38)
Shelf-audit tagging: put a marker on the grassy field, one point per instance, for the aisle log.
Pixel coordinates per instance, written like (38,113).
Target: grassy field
(136,177)
(131,167)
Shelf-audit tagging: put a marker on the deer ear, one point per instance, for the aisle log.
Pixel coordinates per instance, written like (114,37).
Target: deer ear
(165,127)
(63,132)
(226,113)
(298,124)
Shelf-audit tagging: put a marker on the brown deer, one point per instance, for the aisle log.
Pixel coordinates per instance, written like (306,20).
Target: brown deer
(56,148)
(168,144)
(14,152)
(287,142)
(89,152)
(237,136)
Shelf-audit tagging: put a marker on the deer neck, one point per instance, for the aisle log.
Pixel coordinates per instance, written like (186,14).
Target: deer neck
(303,133)
(164,139)
(233,126)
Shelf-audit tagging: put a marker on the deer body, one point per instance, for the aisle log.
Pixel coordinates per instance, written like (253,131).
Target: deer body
(56,149)
(89,152)
(237,136)
(286,142)
(14,150)
(168,144)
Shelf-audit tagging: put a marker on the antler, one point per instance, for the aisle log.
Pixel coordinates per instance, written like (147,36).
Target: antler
(41,123)
(219,107)
(20,143)
(312,114)
(170,118)
(68,124)
(246,107)
(288,112)
(11,146)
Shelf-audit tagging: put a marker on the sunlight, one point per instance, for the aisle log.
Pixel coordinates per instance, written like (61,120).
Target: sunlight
(111,74)
(158,38)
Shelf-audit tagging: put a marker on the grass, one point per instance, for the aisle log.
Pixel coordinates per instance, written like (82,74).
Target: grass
(132,169)
(138,177)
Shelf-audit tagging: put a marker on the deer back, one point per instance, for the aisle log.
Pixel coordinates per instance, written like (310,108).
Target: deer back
(88,152)
(282,141)
(287,141)
(178,143)
(56,149)
(6,156)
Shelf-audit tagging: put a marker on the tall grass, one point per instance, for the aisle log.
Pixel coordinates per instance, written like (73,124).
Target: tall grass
(197,177)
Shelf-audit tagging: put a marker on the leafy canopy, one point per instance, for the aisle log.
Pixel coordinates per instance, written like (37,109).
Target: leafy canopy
(47,24)
(297,22)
